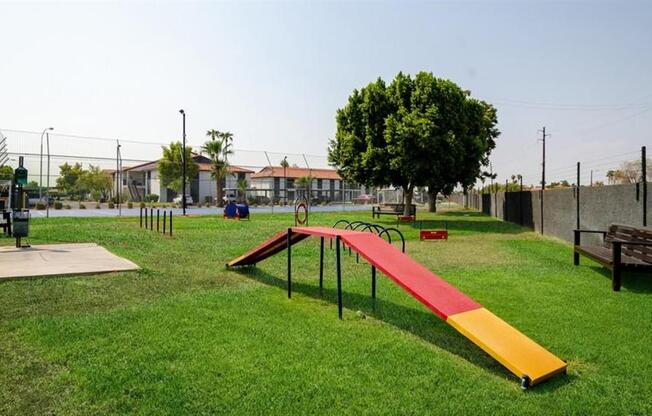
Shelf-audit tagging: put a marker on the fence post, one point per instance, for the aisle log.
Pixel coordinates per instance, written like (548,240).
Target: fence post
(644,173)
(577,201)
(170,223)
(157,220)
(165,220)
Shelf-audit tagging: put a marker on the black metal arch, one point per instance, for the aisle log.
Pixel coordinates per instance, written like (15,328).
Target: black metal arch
(387,230)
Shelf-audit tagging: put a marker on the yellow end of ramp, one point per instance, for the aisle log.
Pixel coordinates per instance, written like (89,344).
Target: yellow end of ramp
(518,353)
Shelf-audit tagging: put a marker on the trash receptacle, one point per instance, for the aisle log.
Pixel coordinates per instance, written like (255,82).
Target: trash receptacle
(21,223)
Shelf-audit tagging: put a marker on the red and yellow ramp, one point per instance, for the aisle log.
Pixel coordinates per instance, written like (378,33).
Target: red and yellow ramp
(518,353)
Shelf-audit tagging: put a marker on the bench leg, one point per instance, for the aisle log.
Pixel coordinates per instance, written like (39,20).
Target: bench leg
(616,270)
(615,278)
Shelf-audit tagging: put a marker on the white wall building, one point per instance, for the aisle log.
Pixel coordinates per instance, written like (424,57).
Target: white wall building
(142,180)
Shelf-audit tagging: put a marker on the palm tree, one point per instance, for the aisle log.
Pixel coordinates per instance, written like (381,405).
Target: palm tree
(218,149)
(242,189)
(285,165)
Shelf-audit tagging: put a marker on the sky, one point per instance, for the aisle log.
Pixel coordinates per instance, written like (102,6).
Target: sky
(274,73)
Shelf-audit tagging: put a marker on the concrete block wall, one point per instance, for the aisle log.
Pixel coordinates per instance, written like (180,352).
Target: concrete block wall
(599,207)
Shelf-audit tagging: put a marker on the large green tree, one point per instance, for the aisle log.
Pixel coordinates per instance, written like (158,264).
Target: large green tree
(218,149)
(421,131)
(96,182)
(68,180)
(170,167)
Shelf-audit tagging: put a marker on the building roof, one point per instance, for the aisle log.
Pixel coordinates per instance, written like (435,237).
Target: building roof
(199,159)
(294,173)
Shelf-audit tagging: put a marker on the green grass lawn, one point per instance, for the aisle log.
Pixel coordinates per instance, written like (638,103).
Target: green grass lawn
(186,336)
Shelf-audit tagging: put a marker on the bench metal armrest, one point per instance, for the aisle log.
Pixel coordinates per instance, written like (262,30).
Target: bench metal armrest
(591,231)
(578,232)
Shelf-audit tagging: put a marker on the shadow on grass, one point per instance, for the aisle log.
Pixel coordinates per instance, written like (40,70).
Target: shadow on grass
(467,221)
(635,282)
(422,324)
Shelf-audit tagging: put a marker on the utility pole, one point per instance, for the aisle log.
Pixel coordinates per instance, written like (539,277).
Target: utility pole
(543,171)
(591,177)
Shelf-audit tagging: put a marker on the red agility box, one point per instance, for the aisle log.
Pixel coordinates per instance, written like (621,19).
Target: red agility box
(433,234)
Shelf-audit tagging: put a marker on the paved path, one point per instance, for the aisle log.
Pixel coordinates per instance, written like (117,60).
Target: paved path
(60,259)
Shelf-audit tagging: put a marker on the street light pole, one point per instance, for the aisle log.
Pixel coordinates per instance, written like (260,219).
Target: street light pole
(183,165)
(40,174)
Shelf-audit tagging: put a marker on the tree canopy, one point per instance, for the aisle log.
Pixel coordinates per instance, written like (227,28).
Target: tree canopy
(421,131)
(170,167)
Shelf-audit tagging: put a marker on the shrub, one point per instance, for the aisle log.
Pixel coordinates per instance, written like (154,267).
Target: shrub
(142,205)
(40,206)
(151,198)
(207,200)
(111,205)
(58,205)
(82,206)
(67,206)
(130,205)
(98,206)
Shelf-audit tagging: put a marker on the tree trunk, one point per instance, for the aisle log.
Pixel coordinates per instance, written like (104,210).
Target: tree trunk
(220,192)
(408,192)
(432,200)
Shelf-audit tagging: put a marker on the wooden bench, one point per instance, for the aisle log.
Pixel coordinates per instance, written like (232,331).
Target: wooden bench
(624,248)
(392,209)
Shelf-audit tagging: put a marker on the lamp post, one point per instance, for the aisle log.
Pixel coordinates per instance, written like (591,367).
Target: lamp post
(40,174)
(183,164)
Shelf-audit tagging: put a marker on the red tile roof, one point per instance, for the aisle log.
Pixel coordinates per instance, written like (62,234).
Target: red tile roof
(277,172)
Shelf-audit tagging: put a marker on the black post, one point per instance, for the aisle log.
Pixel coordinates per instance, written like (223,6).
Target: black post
(289,249)
(373,283)
(339,276)
(170,223)
(644,173)
(321,267)
(145,218)
(183,165)
(141,217)
(576,240)
(165,220)
(151,219)
(157,220)
(520,200)
(577,200)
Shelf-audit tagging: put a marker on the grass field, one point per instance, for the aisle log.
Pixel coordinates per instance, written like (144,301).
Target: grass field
(186,336)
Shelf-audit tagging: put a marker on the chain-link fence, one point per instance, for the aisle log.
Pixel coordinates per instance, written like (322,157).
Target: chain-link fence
(259,177)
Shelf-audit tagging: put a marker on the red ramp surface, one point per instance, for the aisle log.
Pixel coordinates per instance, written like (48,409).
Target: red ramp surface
(518,353)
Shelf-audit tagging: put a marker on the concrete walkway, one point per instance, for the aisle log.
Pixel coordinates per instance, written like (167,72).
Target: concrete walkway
(60,259)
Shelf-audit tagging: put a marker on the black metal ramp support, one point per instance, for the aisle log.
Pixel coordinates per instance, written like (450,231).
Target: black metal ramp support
(165,220)
(373,285)
(321,267)
(339,276)
(289,249)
